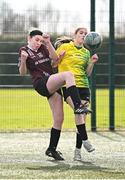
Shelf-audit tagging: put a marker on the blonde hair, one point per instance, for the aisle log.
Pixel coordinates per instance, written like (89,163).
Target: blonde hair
(62,39)
(78,29)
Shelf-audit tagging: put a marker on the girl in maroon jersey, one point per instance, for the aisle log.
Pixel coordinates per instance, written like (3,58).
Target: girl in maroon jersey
(36,57)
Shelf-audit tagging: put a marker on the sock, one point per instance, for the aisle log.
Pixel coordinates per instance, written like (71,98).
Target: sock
(82,131)
(54,138)
(78,141)
(74,94)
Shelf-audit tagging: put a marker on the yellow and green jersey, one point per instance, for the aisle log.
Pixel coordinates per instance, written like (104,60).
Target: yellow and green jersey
(75,60)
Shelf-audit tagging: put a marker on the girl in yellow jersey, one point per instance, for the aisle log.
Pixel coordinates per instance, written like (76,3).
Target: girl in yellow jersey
(77,59)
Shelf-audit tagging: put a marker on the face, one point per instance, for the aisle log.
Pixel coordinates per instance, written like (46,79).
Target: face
(79,36)
(35,41)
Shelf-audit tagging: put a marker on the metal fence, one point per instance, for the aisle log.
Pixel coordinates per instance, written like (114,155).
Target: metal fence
(108,79)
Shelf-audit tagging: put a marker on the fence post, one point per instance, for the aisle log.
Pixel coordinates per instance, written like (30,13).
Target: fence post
(93,82)
(111,66)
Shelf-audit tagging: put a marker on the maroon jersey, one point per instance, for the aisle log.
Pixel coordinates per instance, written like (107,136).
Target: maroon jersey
(38,62)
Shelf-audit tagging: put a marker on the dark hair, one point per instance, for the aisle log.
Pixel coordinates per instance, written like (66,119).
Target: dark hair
(35,32)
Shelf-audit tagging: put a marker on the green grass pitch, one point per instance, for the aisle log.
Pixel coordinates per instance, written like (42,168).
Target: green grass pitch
(23,109)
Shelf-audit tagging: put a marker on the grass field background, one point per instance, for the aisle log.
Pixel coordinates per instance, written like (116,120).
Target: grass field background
(24,109)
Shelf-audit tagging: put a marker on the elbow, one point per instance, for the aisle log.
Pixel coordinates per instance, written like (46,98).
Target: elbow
(88,74)
(22,73)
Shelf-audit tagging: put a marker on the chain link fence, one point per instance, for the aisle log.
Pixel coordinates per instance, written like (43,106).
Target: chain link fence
(13,31)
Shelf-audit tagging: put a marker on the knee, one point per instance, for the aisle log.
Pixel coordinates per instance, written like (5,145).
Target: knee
(69,74)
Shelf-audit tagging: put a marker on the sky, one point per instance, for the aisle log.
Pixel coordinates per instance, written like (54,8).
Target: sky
(78,8)
(71,5)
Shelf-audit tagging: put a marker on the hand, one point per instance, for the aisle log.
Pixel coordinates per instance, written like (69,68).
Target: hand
(61,55)
(94,58)
(46,38)
(24,55)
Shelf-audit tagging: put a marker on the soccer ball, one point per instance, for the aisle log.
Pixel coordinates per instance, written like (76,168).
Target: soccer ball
(92,41)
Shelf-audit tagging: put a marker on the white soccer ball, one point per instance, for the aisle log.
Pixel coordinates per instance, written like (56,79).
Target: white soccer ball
(92,40)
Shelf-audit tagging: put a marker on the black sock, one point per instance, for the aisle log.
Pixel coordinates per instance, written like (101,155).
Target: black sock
(74,94)
(82,131)
(54,138)
(78,141)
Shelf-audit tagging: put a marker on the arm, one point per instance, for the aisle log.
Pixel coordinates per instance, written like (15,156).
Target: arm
(89,69)
(60,57)
(22,67)
(61,52)
(52,52)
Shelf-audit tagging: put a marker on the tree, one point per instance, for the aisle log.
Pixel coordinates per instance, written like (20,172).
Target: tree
(11,22)
(32,17)
(49,18)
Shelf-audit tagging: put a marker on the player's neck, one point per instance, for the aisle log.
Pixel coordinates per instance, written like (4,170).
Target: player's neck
(77,45)
(31,48)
